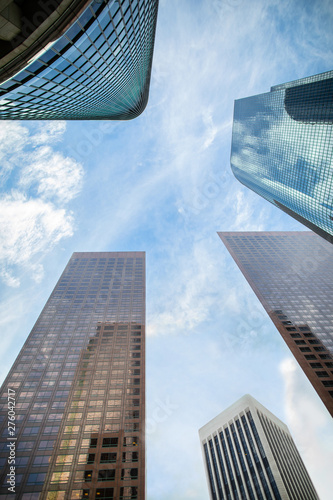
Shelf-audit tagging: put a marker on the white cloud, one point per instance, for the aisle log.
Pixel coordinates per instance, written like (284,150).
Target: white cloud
(13,137)
(28,227)
(188,292)
(48,132)
(38,183)
(54,175)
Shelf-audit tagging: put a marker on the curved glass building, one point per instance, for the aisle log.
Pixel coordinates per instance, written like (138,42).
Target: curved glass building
(282,149)
(78,60)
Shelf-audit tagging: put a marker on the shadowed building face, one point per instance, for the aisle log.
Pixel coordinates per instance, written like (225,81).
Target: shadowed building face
(292,275)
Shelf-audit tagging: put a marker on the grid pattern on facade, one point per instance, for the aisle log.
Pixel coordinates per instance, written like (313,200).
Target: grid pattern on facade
(281,149)
(292,275)
(98,69)
(80,386)
(237,464)
(295,476)
(245,457)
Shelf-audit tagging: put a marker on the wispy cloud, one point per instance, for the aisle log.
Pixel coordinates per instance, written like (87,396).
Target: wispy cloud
(28,227)
(38,183)
(52,175)
(189,292)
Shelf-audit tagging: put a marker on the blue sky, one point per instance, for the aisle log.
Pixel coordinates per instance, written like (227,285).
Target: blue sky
(162,183)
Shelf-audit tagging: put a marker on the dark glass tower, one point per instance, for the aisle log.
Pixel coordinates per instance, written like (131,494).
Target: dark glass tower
(292,275)
(249,453)
(87,60)
(282,149)
(79,388)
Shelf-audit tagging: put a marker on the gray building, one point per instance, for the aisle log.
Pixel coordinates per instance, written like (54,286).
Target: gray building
(292,275)
(78,385)
(249,453)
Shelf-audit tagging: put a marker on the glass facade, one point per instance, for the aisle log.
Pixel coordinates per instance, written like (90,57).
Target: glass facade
(282,149)
(79,387)
(99,68)
(249,453)
(292,276)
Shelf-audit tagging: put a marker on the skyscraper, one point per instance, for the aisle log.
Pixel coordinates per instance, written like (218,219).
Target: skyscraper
(249,453)
(282,149)
(87,60)
(292,275)
(79,388)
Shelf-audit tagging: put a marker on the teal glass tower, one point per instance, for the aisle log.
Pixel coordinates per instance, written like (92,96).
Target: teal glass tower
(282,149)
(78,60)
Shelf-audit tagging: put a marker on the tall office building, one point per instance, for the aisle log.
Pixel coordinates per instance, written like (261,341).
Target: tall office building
(249,453)
(79,388)
(76,59)
(292,275)
(282,149)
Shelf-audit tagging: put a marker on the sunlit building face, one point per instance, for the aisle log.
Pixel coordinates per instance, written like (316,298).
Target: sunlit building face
(282,149)
(79,386)
(249,453)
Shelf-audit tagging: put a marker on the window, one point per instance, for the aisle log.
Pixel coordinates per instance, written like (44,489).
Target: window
(322,374)
(102,493)
(129,474)
(64,459)
(131,441)
(106,475)
(316,365)
(91,458)
(68,443)
(30,431)
(27,445)
(87,458)
(42,460)
(310,356)
(132,414)
(108,458)
(128,492)
(300,342)
(93,442)
(87,475)
(36,478)
(110,442)
(305,349)
(130,456)
(59,477)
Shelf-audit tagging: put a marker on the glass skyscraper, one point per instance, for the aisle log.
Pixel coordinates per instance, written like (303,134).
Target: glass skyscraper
(282,149)
(77,388)
(86,60)
(292,275)
(249,453)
